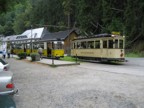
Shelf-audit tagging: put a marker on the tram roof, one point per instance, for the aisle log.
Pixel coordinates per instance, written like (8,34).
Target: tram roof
(97,36)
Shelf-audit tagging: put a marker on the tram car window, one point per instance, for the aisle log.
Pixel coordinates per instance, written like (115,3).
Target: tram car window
(104,43)
(74,45)
(28,46)
(121,44)
(90,44)
(116,43)
(59,45)
(110,44)
(79,45)
(41,45)
(18,46)
(97,44)
(83,45)
(35,46)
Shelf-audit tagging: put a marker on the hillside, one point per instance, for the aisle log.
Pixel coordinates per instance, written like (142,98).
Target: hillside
(91,17)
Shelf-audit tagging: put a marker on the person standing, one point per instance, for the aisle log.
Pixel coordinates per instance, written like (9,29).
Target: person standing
(12,51)
(24,49)
(40,51)
(8,52)
(4,53)
(49,52)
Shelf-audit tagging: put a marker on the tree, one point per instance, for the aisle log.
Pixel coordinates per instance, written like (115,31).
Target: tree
(22,17)
(134,20)
(89,15)
(48,12)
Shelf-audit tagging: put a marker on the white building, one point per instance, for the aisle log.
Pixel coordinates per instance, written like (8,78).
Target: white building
(1,43)
(31,35)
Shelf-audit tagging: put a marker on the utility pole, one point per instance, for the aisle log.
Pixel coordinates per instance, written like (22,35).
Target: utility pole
(31,38)
(68,20)
(69,31)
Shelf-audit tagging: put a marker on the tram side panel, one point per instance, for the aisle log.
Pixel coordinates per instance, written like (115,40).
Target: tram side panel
(113,54)
(99,54)
(105,49)
(86,52)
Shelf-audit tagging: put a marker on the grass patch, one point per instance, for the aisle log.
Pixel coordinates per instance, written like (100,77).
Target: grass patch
(132,55)
(68,58)
(135,54)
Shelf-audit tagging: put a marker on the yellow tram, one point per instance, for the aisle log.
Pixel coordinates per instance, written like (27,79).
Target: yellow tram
(30,40)
(102,47)
(50,49)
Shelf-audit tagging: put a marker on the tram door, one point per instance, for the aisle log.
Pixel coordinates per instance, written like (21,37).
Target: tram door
(110,48)
(104,51)
(24,48)
(49,49)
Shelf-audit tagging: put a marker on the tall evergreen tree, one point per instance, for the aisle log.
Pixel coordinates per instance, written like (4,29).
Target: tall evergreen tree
(134,20)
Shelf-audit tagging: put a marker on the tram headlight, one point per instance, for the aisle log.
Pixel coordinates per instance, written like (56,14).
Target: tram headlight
(122,54)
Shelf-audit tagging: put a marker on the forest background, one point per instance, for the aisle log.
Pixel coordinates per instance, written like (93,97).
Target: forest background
(89,16)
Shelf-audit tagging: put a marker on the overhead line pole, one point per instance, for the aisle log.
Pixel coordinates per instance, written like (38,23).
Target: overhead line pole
(31,38)
(117,9)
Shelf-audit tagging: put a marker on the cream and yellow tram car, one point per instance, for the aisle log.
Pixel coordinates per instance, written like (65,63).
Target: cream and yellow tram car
(102,47)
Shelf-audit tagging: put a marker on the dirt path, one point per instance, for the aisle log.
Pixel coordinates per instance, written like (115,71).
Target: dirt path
(89,85)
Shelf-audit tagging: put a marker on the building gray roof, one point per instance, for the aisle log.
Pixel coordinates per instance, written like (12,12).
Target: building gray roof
(61,35)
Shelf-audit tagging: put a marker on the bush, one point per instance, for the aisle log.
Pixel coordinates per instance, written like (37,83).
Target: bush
(35,57)
(22,55)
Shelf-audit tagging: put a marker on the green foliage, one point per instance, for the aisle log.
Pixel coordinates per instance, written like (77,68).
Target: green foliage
(137,50)
(68,58)
(47,12)
(3,6)
(135,54)
(115,25)
(22,17)
(34,56)
(90,16)
(22,55)
(134,20)
(1,29)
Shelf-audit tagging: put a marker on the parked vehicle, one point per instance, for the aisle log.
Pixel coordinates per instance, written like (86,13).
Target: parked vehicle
(4,66)
(6,83)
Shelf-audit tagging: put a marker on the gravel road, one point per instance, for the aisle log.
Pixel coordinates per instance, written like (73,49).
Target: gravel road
(89,85)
